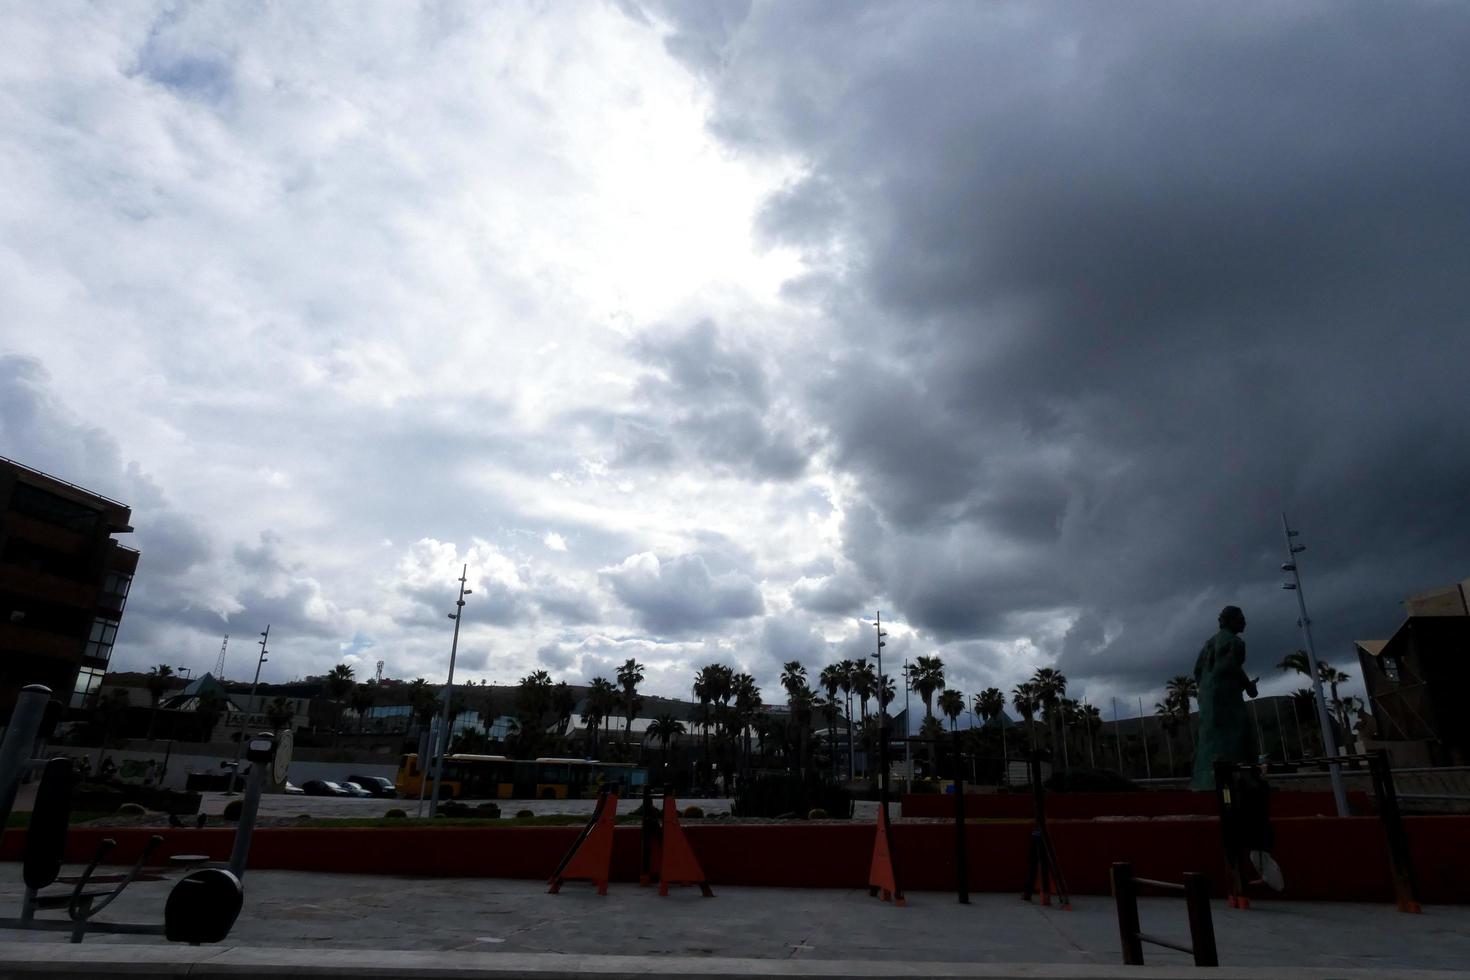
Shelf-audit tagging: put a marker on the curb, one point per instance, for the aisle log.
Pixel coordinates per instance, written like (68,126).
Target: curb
(98,960)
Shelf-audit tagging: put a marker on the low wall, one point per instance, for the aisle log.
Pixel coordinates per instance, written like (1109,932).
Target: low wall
(1331,858)
(1083,806)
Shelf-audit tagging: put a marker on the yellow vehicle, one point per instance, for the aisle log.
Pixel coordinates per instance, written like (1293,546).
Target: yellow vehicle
(495,777)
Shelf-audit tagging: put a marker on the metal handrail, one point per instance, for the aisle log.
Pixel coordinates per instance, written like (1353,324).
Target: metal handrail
(66,483)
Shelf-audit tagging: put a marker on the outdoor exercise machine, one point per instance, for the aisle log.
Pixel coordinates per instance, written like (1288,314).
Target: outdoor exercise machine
(1043,872)
(202,906)
(1245,824)
(1196,889)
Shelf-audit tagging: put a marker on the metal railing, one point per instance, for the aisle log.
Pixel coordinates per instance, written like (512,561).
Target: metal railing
(1196,890)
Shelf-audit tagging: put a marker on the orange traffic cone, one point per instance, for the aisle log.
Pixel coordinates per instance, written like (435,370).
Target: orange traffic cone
(883,876)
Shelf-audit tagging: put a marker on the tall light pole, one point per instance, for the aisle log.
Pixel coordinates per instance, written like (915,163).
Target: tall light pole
(882,719)
(1305,622)
(245,715)
(908,748)
(443,746)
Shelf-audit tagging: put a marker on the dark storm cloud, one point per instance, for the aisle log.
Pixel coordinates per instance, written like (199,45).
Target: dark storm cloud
(707,402)
(681,594)
(1116,285)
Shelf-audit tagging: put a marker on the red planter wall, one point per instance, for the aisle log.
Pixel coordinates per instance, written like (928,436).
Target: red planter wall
(1082,806)
(1340,859)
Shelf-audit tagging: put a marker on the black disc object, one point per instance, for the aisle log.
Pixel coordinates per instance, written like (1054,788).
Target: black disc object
(203,906)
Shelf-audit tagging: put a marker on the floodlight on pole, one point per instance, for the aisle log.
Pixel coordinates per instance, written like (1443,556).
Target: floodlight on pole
(1329,743)
(441,749)
(245,715)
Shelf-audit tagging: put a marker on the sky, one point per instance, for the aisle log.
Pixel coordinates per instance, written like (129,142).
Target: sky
(701,332)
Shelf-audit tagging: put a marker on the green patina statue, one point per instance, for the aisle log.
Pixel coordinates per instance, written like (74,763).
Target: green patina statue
(1224,729)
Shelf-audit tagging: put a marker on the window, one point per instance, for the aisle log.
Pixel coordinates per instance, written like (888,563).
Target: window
(1390,667)
(104,634)
(89,681)
(35,502)
(115,587)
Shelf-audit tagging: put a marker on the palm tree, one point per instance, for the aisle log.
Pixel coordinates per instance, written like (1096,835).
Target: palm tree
(423,701)
(279,714)
(1180,689)
(630,675)
(846,668)
(952,704)
(1025,700)
(991,703)
(1050,684)
(159,681)
(664,728)
(361,700)
(563,703)
(602,698)
(925,677)
(747,698)
(793,677)
(1298,661)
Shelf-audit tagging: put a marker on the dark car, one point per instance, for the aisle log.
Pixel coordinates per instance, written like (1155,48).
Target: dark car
(376,785)
(320,787)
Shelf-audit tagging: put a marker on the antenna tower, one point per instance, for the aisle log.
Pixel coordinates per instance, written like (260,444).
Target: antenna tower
(219,665)
(380,671)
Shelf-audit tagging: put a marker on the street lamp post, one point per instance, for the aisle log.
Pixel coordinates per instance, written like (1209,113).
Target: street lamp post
(443,746)
(882,720)
(1329,743)
(908,748)
(245,714)
(188,672)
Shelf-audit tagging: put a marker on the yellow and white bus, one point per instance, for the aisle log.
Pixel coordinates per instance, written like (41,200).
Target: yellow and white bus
(495,777)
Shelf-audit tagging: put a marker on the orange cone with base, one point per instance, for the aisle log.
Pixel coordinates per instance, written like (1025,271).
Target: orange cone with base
(882,876)
(590,858)
(673,858)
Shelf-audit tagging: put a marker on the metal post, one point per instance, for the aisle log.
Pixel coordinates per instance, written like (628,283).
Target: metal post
(961,862)
(909,748)
(443,743)
(1201,925)
(882,720)
(1125,897)
(245,714)
(1280,732)
(1405,892)
(1118,737)
(1329,743)
(19,743)
(1148,766)
(245,829)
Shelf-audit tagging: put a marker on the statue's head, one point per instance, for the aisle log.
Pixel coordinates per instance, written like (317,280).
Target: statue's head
(1232,619)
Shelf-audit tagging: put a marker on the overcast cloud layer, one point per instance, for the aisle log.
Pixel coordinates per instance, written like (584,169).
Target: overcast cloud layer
(703,331)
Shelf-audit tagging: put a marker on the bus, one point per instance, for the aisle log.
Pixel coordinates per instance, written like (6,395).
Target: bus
(495,777)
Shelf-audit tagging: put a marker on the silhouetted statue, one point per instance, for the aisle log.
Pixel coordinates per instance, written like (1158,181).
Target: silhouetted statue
(1224,728)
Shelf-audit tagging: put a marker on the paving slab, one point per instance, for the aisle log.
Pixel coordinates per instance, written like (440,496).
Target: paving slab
(332,914)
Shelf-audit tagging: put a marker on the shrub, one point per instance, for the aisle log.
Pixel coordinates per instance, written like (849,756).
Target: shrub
(396,813)
(131,810)
(523,814)
(1089,781)
(693,812)
(232,810)
(774,794)
(817,813)
(490,810)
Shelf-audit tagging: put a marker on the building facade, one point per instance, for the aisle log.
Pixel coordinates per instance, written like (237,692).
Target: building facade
(64,584)
(1417,678)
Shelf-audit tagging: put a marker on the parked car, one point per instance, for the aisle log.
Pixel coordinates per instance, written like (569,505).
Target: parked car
(291,789)
(322,787)
(377,786)
(354,790)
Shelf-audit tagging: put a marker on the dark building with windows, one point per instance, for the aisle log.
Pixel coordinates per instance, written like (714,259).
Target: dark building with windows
(63,584)
(1416,681)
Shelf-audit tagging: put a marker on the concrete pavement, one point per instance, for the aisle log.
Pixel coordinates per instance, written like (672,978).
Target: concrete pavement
(346,919)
